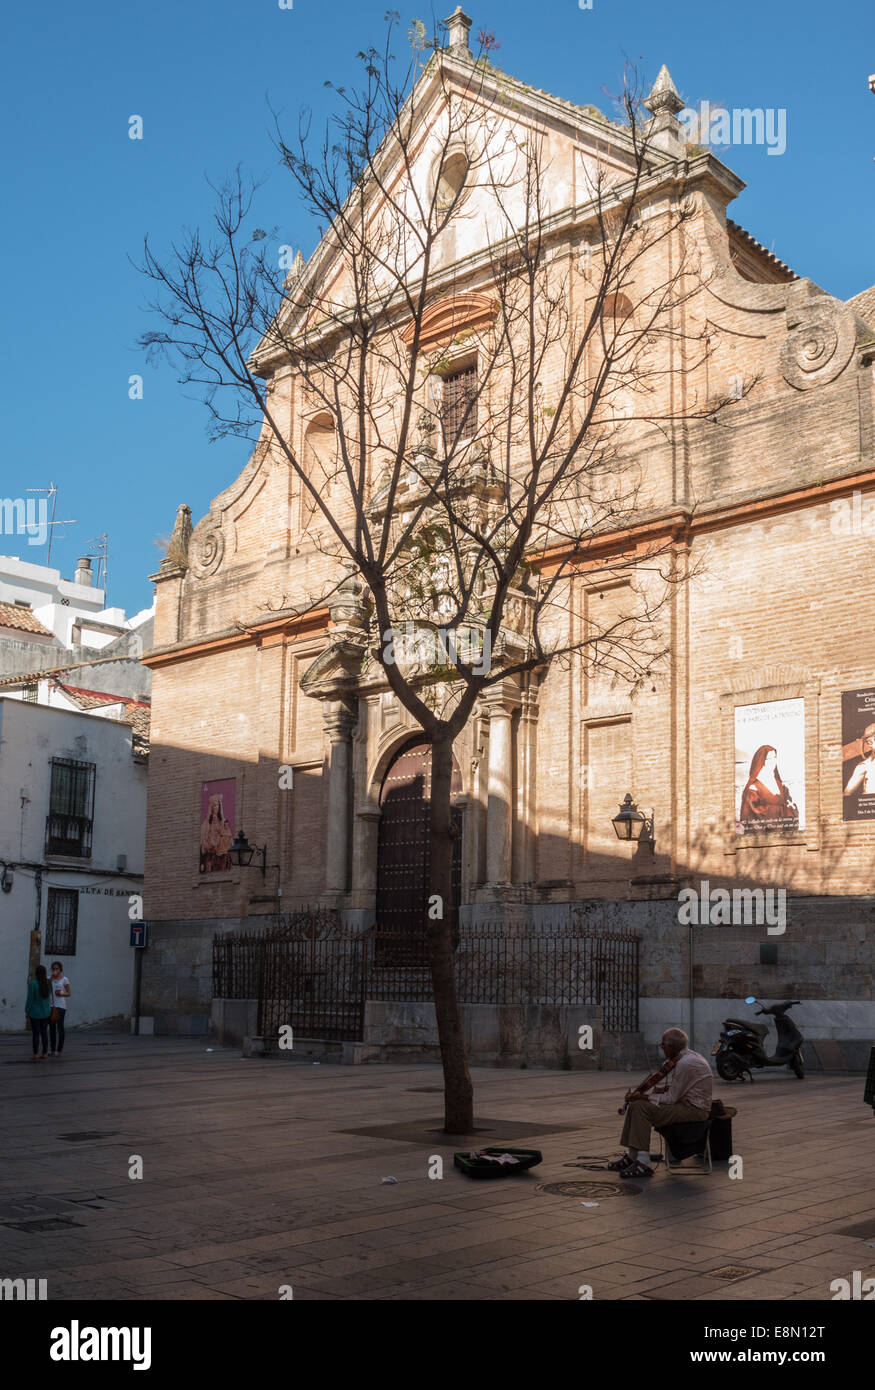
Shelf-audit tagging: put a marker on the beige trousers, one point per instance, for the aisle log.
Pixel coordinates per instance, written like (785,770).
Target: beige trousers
(643,1114)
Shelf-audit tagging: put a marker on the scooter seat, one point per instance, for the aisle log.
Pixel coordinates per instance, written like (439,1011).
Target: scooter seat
(760,1028)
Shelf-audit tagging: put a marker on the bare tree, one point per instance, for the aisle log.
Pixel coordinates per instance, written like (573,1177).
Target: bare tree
(485,368)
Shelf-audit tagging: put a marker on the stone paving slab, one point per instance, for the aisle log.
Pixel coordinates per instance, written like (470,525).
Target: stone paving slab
(258,1174)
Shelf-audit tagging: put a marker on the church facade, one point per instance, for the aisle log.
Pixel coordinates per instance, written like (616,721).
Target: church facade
(749,753)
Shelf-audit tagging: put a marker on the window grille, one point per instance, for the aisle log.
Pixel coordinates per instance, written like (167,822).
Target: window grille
(71,808)
(459,392)
(62,921)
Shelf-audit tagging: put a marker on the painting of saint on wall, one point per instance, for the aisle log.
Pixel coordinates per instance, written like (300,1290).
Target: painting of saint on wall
(217,825)
(858,754)
(770,766)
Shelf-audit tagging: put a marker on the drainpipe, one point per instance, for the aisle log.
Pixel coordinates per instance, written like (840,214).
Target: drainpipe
(35,939)
(692,993)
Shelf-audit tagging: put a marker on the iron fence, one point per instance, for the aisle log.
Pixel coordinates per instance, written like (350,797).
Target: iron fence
(309,971)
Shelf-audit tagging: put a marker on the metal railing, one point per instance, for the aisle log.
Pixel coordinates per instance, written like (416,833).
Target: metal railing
(309,971)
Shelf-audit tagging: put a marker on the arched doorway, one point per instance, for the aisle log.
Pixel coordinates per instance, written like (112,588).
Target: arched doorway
(403,845)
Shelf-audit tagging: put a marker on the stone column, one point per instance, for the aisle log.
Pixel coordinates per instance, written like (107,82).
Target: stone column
(499,807)
(526,811)
(339,721)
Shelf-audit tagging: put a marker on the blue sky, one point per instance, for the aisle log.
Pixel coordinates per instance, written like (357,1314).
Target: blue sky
(80,195)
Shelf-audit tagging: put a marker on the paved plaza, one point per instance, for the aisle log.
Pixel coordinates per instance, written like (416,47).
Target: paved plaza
(254,1180)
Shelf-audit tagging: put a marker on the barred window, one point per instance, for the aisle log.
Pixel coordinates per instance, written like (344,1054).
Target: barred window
(62,920)
(459,391)
(31,694)
(71,808)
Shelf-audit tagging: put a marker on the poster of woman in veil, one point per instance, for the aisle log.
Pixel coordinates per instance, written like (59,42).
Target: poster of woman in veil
(217,825)
(770,766)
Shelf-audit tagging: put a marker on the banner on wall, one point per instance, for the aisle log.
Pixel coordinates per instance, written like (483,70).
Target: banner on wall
(217,825)
(770,766)
(858,754)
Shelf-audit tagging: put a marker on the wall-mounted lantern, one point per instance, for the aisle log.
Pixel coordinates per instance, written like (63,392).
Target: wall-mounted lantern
(632,824)
(6,879)
(242,852)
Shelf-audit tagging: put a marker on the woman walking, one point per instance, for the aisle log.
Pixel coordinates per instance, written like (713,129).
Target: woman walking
(38,1008)
(60,994)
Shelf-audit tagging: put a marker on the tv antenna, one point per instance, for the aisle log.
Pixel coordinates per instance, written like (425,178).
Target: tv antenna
(100,553)
(51,492)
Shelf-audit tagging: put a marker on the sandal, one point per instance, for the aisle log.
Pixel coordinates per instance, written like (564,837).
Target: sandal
(620,1163)
(636,1169)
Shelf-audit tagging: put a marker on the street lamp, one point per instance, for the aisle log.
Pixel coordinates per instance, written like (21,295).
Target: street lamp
(242,851)
(632,824)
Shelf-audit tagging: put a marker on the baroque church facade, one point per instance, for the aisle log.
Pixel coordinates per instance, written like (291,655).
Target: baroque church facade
(253,731)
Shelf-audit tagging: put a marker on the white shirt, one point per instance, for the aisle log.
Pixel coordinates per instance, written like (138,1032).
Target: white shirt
(690,1082)
(58,998)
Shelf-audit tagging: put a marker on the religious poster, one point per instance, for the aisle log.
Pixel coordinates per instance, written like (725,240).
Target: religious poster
(770,766)
(858,754)
(217,825)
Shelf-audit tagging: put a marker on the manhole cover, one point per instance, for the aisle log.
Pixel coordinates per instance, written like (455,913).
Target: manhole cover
(730,1272)
(79,1136)
(48,1223)
(589,1190)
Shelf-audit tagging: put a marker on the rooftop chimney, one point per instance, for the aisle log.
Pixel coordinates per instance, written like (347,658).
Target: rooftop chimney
(83,572)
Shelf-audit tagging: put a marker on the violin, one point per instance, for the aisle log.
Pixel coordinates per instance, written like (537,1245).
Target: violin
(668,1065)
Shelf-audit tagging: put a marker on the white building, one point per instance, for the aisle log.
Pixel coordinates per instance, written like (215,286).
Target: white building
(50,623)
(72,827)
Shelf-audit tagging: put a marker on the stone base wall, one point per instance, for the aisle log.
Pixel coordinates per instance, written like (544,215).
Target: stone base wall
(825,958)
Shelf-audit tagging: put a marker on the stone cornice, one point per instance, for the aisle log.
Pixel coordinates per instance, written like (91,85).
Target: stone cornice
(261,631)
(683,524)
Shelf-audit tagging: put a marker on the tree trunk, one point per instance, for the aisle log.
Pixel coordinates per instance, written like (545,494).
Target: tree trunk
(458,1091)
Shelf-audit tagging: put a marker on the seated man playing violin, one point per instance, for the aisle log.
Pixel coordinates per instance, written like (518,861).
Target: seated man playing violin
(685,1098)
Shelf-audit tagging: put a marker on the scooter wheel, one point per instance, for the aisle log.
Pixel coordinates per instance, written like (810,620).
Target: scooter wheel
(798,1066)
(728,1067)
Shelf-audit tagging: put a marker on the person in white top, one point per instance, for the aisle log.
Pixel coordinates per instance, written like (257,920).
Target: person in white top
(60,994)
(684,1099)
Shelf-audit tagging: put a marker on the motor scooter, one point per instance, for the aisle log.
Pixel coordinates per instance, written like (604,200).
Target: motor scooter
(741,1046)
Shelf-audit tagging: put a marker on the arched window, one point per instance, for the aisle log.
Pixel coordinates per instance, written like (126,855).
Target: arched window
(320,461)
(617,309)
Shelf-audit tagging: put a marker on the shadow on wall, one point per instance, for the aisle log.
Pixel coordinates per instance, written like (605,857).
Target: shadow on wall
(824,951)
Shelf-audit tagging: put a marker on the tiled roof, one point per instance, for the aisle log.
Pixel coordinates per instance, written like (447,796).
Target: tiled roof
(138,713)
(758,246)
(864,305)
(28,677)
(22,619)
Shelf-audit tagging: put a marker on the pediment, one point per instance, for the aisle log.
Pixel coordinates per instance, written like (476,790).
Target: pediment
(449,315)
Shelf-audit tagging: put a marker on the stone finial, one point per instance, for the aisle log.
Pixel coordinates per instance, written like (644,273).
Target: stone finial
(663,95)
(458,26)
(296,271)
(350,607)
(176,557)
